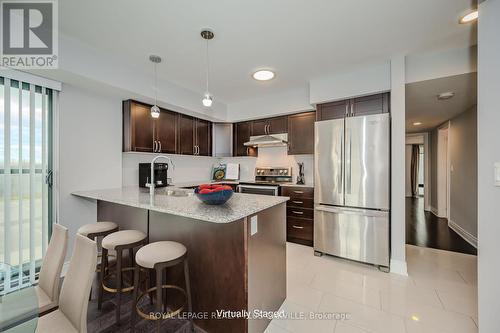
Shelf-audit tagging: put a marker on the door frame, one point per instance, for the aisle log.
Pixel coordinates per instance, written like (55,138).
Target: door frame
(443,170)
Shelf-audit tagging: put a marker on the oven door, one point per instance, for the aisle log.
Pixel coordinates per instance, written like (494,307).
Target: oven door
(258,189)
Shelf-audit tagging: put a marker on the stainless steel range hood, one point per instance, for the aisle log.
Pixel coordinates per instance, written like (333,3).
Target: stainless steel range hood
(274,140)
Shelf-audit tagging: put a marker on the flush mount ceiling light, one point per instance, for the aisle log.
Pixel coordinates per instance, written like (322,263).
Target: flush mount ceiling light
(417,123)
(207,98)
(470,17)
(263,75)
(155,110)
(445,95)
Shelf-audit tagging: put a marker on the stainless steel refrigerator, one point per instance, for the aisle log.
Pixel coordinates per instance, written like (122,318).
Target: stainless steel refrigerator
(352,181)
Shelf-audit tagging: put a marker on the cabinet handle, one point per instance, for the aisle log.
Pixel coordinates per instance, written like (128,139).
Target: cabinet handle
(352,110)
(298,213)
(247,151)
(154,146)
(347,110)
(297,227)
(194,150)
(159,149)
(298,202)
(298,192)
(197,150)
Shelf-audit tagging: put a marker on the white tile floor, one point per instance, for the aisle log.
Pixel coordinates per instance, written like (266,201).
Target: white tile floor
(439,295)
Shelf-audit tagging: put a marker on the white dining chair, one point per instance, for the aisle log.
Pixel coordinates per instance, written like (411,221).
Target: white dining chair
(49,279)
(74,299)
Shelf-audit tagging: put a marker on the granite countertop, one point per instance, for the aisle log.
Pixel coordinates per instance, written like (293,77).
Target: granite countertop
(239,206)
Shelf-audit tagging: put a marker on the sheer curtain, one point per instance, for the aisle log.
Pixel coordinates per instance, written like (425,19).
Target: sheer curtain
(415,157)
(25,180)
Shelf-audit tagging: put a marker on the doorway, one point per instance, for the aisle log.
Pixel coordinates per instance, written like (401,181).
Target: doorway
(443,174)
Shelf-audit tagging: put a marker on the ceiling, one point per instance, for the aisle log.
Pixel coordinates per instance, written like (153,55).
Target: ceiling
(298,39)
(423,106)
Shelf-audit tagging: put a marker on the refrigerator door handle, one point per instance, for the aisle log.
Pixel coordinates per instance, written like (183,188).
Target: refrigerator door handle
(351,211)
(348,168)
(342,164)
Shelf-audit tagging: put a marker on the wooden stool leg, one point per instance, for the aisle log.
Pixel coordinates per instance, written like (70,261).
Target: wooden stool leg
(158,295)
(104,265)
(118,284)
(133,314)
(188,291)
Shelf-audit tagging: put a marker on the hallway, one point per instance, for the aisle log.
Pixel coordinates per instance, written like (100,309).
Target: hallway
(427,230)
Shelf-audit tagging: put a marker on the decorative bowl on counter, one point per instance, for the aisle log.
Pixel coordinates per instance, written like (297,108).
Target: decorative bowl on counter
(213,194)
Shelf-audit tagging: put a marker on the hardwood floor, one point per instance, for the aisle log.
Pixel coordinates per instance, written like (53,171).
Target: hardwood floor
(426,229)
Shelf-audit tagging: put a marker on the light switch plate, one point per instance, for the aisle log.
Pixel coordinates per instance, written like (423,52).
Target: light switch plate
(497,174)
(253,225)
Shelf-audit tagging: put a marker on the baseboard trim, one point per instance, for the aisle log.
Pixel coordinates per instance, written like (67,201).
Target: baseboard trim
(467,236)
(399,267)
(436,212)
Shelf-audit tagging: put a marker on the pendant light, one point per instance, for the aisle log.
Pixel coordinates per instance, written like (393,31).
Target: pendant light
(207,98)
(155,110)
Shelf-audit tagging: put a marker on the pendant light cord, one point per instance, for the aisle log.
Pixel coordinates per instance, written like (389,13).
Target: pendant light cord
(156,84)
(208,66)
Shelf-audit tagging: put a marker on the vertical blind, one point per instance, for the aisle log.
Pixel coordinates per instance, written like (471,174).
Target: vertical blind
(25,160)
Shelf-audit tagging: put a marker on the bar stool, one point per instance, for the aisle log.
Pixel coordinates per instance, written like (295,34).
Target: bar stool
(118,241)
(94,231)
(158,256)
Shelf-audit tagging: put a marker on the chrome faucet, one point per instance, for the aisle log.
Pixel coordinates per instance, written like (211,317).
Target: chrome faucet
(152,184)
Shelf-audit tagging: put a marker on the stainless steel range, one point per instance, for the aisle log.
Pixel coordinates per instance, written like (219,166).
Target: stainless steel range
(267,181)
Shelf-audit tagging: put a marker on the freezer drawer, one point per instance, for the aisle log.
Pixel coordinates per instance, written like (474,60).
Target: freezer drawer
(357,234)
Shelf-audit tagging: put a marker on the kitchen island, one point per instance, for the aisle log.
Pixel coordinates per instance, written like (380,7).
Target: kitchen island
(236,251)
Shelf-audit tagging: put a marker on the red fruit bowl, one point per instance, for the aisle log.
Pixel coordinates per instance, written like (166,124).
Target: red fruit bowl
(213,194)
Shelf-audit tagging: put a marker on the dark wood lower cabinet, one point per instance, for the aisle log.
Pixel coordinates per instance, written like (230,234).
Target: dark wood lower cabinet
(300,214)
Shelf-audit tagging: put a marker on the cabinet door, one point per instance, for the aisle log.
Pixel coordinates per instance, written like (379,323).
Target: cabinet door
(277,125)
(186,134)
(166,131)
(241,134)
(333,110)
(139,126)
(259,127)
(203,137)
(373,104)
(301,133)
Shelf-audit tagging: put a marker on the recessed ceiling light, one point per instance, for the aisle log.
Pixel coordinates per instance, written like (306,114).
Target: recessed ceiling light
(263,75)
(467,18)
(417,123)
(445,95)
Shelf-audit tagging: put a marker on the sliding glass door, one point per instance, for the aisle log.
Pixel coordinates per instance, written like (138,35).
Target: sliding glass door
(25,180)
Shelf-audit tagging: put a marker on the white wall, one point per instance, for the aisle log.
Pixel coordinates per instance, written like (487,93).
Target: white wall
(440,64)
(292,101)
(488,153)
(365,80)
(398,214)
(90,144)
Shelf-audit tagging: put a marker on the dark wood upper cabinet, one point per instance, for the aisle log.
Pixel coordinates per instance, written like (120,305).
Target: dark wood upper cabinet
(203,138)
(332,110)
(359,106)
(166,132)
(301,133)
(274,125)
(138,127)
(187,125)
(259,127)
(373,104)
(241,134)
(277,125)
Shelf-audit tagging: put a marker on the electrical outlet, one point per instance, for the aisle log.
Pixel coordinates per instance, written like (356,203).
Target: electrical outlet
(253,225)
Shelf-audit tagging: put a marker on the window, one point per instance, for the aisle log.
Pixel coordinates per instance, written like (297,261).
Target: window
(25,177)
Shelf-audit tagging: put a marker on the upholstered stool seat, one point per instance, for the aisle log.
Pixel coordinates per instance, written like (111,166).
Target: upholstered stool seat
(124,237)
(156,258)
(150,255)
(97,228)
